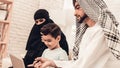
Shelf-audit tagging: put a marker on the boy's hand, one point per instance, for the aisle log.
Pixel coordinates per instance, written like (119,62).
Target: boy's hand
(35,64)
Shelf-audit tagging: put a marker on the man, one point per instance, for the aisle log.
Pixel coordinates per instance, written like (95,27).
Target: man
(97,38)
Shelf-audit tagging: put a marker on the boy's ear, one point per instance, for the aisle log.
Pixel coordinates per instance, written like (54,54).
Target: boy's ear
(59,38)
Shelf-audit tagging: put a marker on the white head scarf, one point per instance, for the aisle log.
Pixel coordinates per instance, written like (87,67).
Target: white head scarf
(98,11)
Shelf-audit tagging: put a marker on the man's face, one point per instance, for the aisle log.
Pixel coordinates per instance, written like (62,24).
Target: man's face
(79,13)
(50,41)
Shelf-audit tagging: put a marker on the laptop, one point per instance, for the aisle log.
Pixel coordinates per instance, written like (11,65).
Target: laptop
(17,62)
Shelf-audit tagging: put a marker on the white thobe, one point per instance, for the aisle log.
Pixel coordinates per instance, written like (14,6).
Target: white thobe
(93,52)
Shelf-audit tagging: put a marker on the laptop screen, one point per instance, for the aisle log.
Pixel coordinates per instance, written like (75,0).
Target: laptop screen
(17,62)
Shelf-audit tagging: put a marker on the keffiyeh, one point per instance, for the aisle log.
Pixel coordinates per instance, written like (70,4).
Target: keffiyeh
(98,11)
(80,30)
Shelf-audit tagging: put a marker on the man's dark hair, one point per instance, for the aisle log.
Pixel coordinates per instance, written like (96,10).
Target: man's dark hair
(51,29)
(41,13)
(74,2)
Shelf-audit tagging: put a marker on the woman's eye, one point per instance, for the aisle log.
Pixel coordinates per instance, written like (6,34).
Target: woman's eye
(40,20)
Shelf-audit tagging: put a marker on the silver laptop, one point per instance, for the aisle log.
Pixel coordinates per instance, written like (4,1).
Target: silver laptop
(17,62)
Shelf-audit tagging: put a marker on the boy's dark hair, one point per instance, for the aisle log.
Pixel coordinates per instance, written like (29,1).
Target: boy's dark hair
(74,2)
(51,29)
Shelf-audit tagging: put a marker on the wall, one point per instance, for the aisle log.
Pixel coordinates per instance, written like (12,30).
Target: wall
(22,22)
(55,9)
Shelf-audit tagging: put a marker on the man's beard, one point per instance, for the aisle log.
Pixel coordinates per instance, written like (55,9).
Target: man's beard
(82,18)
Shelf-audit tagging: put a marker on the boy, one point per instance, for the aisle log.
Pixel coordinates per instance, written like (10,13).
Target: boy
(51,35)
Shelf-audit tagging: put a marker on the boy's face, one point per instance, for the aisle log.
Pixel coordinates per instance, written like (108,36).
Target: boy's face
(50,41)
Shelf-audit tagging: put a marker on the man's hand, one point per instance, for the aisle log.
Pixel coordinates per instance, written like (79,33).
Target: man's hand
(43,63)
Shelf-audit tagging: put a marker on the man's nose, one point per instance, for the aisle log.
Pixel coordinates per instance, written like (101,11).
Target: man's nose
(75,13)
